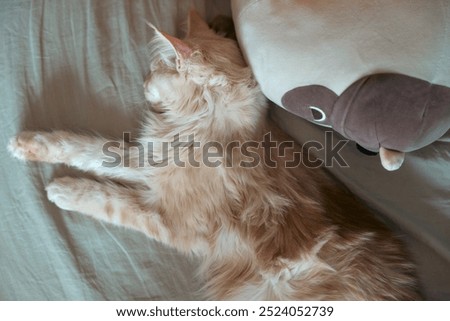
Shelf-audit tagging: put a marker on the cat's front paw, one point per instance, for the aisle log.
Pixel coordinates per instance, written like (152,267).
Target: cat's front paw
(34,146)
(62,192)
(27,146)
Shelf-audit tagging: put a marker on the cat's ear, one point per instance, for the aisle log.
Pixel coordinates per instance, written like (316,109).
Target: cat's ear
(168,47)
(182,49)
(197,26)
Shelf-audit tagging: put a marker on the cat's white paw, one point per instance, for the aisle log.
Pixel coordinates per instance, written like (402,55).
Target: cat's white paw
(33,146)
(62,192)
(27,146)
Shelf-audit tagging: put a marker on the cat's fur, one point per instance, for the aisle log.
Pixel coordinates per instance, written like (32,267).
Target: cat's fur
(263,232)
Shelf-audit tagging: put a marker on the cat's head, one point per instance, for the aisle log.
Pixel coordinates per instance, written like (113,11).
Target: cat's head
(201,78)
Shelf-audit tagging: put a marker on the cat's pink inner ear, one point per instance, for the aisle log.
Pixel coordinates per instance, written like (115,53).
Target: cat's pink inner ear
(180,46)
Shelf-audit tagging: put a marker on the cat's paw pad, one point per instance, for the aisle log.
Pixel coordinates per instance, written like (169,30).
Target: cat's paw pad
(28,145)
(62,192)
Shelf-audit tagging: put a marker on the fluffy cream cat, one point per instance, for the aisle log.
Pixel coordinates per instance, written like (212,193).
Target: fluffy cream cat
(263,232)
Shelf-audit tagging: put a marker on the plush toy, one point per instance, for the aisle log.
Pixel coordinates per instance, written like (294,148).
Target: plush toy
(377,72)
(391,113)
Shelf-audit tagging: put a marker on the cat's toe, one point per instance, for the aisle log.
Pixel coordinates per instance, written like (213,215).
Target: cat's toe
(28,146)
(61,192)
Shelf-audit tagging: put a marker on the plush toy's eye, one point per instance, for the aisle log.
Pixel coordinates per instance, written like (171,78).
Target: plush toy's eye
(314,103)
(318,114)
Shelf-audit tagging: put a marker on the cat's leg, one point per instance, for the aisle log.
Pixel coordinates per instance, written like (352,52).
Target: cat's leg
(87,153)
(108,202)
